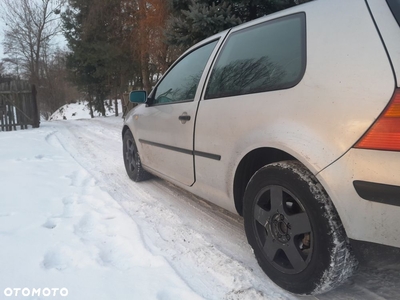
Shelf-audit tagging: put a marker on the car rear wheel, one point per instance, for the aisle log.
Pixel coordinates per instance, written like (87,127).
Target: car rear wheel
(295,231)
(132,161)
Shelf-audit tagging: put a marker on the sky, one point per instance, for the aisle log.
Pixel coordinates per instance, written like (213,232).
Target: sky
(59,40)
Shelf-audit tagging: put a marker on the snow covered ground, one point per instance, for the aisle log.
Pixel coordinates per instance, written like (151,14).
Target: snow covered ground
(71,218)
(80,110)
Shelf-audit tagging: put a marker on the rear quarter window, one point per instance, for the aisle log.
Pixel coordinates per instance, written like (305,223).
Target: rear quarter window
(395,8)
(265,57)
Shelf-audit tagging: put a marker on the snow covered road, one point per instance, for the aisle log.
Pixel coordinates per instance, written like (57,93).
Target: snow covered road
(70,217)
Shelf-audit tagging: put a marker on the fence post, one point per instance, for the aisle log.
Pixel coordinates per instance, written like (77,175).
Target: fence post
(35,108)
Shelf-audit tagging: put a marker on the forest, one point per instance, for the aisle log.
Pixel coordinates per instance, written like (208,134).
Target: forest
(109,47)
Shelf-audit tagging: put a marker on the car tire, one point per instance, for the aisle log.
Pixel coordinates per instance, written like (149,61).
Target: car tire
(296,234)
(133,165)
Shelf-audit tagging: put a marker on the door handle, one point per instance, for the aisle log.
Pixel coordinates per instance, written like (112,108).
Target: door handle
(184,118)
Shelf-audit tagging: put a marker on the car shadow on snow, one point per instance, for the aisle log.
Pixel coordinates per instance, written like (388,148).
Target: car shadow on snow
(377,277)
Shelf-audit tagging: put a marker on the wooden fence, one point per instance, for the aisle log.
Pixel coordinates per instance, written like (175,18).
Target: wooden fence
(18,105)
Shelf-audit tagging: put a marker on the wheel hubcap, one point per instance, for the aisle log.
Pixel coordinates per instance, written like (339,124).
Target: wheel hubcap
(281,227)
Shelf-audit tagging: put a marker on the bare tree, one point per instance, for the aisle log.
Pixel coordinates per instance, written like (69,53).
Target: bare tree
(30,27)
(54,89)
(2,69)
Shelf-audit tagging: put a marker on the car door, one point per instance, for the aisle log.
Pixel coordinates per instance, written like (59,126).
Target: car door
(165,126)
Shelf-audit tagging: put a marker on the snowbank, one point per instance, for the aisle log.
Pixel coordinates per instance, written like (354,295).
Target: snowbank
(80,110)
(59,230)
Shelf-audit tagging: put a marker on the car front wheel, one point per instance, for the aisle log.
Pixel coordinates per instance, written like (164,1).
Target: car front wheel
(132,161)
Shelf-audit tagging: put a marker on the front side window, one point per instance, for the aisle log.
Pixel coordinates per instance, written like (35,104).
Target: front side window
(265,57)
(181,82)
(395,8)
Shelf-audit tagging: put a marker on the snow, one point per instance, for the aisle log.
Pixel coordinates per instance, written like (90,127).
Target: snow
(80,110)
(59,229)
(71,218)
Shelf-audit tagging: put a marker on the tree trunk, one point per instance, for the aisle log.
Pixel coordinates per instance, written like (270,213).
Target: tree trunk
(91,106)
(101,105)
(145,72)
(36,121)
(143,46)
(116,105)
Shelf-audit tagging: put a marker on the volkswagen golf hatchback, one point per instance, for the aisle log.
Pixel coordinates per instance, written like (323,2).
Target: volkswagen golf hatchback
(293,122)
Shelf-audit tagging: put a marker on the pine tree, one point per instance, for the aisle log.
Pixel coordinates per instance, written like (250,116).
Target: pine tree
(196,20)
(200,20)
(100,58)
(248,10)
(114,42)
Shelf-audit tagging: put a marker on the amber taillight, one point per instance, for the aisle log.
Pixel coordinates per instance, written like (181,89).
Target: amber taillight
(385,132)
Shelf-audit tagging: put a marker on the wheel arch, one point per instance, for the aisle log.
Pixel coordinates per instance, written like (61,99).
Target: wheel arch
(249,164)
(124,129)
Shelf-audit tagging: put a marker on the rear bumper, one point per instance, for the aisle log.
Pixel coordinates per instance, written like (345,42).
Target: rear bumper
(364,186)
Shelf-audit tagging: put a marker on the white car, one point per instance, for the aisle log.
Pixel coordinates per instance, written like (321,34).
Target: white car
(293,122)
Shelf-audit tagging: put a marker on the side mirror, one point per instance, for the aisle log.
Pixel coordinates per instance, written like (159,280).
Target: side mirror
(138,96)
